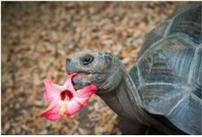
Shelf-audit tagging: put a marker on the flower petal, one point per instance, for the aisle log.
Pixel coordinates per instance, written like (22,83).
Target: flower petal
(73,107)
(59,107)
(51,107)
(68,83)
(86,91)
(52,112)
(82,101)
(52,116)
(84,94)
(52,90)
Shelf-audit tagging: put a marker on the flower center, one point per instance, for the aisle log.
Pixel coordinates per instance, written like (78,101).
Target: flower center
(66,93)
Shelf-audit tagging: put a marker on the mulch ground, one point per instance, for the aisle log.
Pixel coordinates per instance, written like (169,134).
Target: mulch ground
(38,36)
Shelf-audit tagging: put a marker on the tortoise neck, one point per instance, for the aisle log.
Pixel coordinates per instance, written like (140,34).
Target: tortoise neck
(124,100)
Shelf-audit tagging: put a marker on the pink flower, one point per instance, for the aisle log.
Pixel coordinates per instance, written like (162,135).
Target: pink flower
(65,100)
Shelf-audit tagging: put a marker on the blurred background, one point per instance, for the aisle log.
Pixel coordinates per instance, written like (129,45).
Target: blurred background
(38,36)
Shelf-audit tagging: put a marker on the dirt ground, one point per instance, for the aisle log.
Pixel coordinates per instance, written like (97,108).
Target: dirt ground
(38,36)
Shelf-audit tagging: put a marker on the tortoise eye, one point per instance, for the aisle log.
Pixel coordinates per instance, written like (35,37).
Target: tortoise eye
(87,59)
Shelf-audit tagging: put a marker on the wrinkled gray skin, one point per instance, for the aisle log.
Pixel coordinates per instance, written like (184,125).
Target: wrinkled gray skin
(116,88)
(105,71)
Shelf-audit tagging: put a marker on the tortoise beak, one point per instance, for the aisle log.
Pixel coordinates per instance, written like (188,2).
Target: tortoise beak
(82,79)
(67,65)
(71,66)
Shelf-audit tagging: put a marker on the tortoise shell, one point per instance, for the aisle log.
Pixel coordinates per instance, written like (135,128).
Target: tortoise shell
(168,72)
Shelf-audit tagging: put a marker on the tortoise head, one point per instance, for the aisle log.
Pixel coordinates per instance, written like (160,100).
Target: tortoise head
(99,68)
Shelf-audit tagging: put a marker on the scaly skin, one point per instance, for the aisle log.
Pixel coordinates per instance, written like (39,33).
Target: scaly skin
(115,87)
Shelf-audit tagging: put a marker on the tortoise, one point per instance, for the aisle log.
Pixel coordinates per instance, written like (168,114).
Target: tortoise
(162,92)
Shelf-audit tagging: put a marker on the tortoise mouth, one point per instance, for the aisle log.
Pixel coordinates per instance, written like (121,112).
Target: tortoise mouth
(82,79)
(85,78)
(80,72)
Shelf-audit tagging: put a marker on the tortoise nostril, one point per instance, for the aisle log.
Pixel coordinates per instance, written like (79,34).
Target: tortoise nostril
(68,60)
